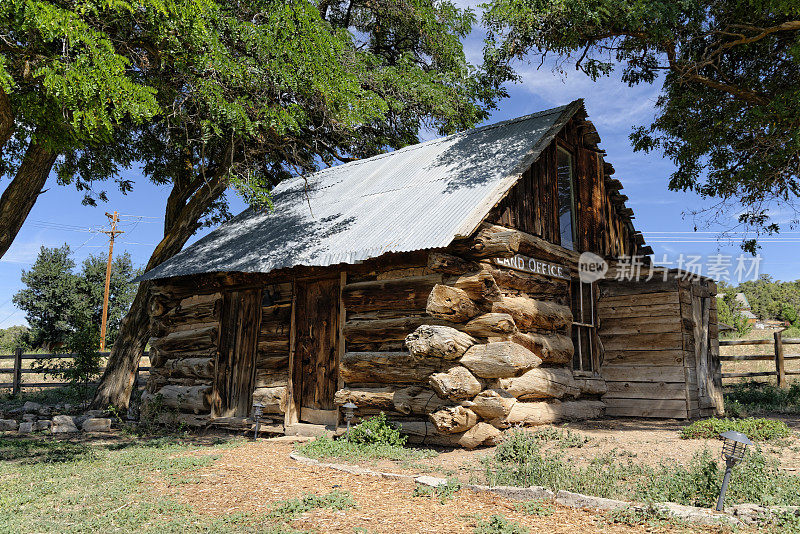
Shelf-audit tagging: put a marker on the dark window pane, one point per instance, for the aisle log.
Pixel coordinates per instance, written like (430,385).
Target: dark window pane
(586,290)
(586,348)
(566,199)
(576,358)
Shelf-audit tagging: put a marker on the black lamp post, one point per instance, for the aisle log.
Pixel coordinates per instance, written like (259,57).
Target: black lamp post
(258,410)
(349,412)
(733,447)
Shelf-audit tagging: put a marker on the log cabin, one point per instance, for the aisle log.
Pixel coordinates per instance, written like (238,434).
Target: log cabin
(438,284)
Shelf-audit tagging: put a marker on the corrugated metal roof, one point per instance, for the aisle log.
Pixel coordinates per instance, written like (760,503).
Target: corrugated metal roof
(419,197)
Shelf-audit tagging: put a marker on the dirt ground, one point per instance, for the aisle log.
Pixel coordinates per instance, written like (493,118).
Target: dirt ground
(643,441)
(252,478)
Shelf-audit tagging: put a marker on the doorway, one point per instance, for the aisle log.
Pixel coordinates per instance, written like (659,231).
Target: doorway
(235,363)
(316,363)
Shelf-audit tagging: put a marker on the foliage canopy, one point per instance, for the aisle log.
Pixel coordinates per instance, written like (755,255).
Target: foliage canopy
(728,114)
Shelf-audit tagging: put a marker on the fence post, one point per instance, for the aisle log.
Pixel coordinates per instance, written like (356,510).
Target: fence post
(16,381)
(780,371)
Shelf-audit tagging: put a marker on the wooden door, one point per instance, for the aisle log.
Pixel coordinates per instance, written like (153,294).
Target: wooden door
(707,391)
(235,363)
(315,373)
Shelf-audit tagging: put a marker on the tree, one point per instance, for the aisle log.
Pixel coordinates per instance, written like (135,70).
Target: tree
(729,312)
(729,109)
(68,82)
(49,297)
(90,288)
(12,338)
(59,302)
(278,88)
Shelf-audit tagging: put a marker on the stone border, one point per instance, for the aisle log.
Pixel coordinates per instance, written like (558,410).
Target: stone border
(737,516)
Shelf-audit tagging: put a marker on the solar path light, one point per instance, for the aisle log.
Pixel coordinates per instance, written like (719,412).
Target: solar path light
(733,447)
(349,412)
(258,410)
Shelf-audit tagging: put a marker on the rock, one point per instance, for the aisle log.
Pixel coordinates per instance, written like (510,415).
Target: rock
(31,407)
(438,342)
(42,424)
(8,424)
(749,513)
(29,417)
(453,420)
(25,428)
(517,493)
(493,404)
(45,411)
(700,516)
(433,482)
(499,359)
(578,500)
(480,434)
(541,383)
(97,424)
(63,424)
(451,304)
(94,413)
(456,383)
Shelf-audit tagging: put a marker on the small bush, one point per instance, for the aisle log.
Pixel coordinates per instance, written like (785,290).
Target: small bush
(650,517)
(376,431)
(498,524)
(756,429)
(336,500)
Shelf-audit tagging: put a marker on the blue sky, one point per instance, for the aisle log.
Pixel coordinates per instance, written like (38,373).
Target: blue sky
(663,216)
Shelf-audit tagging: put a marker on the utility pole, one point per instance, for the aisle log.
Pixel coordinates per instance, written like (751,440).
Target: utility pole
(111,235)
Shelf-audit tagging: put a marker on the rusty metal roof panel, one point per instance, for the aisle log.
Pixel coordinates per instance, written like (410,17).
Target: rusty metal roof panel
(419,197)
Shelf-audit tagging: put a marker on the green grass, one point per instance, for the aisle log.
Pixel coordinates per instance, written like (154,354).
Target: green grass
(519,461)
(46,396)
(654,520)
(443,492)
(753,398)
(535,507)
(57,486)
(756,429)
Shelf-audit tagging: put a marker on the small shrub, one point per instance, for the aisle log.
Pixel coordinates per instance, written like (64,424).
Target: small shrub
(535,507)
(759,429)
(336,500)
(563,438)
(376,431)
(498,524)
(783,522)
(650,517)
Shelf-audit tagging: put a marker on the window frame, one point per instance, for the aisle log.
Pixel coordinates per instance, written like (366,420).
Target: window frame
(573,196)
(579,326)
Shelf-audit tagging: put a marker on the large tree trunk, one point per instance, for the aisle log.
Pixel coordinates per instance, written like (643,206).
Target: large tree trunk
(21,194)
(185,206)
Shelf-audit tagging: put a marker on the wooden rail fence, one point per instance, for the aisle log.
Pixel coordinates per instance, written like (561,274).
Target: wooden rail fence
(778,357)
(17,370)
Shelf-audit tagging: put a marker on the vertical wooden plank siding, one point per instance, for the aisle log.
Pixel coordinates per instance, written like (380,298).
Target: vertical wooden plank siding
(291,398)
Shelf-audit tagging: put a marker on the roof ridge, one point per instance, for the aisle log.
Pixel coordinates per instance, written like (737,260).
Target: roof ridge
(464,133)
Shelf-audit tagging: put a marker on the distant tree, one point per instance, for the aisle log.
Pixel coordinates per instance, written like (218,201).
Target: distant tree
(789,313)
(59,302)
(12,338)
(729,312)
(91,286)
(729,108)
(49,297)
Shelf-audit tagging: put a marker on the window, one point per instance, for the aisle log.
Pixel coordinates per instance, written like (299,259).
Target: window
(566,198)
(584,327)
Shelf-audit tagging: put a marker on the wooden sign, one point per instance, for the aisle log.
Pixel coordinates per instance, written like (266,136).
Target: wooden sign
(533,266)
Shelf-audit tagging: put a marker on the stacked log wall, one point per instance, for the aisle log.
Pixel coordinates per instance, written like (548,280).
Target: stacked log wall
(272,353)
(183,348)
(456,349)
(648,361)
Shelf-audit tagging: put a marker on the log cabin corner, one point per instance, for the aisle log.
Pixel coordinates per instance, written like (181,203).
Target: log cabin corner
(439,284)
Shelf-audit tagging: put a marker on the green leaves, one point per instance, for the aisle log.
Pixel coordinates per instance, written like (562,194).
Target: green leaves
(729,110)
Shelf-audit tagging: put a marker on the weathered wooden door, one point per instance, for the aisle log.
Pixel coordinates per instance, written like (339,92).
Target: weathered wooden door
(235,364)
(709,395)
(315,373)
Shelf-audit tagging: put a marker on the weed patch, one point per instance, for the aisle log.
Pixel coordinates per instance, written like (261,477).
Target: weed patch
(443,492)
(372,439)
(518,461)
(294,508)
(535,507)
(757,429)
(498,524)
(753,398)
(653,519)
